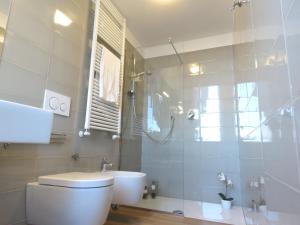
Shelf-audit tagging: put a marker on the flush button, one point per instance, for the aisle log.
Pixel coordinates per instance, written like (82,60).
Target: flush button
(63,107)
(53,103)
(57,103)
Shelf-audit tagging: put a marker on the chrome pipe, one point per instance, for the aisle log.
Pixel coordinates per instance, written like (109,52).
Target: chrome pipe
(176,52)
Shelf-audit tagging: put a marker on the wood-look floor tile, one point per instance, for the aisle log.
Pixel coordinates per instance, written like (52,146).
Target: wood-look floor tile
(134,216)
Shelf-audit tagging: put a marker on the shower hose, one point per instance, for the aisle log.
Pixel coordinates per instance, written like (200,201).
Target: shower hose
(163,140)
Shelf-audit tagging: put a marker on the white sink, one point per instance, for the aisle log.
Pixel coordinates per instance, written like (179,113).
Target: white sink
(128,187)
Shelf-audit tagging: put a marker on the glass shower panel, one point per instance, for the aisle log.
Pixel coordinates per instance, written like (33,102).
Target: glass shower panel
(162,161)
(210,137)
(245,65)
(152,127)
(132,112)
(268,147)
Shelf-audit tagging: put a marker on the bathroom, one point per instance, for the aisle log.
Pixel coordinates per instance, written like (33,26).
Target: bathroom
(208,103)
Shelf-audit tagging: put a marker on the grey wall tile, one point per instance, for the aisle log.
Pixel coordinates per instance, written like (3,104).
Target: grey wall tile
(24,54)
(16,172)
(12,207)
(40,55)
(19,82)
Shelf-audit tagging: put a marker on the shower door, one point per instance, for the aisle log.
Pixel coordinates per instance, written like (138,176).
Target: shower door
(152,140)
(200,95)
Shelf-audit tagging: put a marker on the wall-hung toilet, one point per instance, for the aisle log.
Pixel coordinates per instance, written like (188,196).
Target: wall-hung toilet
(69,199)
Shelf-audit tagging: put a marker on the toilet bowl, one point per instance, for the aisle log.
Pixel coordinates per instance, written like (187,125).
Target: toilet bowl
(128,187)
(69,199)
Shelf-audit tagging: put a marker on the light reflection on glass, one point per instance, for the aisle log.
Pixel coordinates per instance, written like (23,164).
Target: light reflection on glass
(166,94)
(248,112)
(210,92)
(211,134)
(152,124)
(160,97)
(210,119)
(197,134)
(211,106)
(277,59)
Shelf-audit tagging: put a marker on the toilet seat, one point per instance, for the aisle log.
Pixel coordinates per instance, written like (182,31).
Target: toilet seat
(77,180)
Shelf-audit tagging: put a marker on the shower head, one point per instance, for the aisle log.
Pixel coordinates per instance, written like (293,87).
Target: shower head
(147,73)
(134,79)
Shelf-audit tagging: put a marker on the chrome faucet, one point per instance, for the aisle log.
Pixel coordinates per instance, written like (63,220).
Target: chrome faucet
(105,164)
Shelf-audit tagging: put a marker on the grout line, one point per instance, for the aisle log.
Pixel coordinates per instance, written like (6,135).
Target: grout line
(13,190)
(39,75)
(20,221)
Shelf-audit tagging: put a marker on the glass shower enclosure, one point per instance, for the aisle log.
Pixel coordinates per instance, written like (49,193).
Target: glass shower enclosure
(230,118)
(184,160)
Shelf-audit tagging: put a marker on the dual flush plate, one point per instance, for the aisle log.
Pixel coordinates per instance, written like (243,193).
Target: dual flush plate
(57,103)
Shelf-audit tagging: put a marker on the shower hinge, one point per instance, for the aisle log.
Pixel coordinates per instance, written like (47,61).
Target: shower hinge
(239,3)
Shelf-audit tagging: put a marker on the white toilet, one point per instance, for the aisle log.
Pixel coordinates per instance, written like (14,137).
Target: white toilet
(69,199)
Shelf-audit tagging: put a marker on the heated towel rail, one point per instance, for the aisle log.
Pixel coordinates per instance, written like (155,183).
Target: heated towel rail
(109,31)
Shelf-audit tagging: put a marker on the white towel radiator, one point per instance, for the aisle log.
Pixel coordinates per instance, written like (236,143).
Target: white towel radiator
(109,30)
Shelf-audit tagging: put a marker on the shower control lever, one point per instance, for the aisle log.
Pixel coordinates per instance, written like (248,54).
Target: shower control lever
(105,164)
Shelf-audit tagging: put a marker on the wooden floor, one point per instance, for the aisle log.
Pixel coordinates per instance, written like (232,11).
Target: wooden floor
(133,216)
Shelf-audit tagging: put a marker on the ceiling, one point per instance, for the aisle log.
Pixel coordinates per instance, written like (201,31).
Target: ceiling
(153,21)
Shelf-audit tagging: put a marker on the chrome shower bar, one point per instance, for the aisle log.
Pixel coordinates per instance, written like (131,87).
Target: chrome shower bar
(177,54)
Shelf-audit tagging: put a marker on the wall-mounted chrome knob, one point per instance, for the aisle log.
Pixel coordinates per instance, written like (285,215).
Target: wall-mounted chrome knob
(75,156)
(191,115)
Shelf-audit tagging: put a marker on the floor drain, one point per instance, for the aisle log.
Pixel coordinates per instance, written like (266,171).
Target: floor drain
(178,212)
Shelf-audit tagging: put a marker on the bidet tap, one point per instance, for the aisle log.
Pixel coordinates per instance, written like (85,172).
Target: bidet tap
(105,164)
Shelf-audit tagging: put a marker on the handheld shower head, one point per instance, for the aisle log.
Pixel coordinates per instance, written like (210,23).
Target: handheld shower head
(148,73)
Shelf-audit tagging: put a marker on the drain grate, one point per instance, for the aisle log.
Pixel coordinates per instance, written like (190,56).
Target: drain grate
(178,212)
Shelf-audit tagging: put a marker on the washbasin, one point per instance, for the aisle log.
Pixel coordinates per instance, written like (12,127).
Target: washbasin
(128,186)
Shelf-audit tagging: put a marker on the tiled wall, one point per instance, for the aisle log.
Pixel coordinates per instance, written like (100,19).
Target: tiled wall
(37,55)
(187,166)
(131,147)
(267,79)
